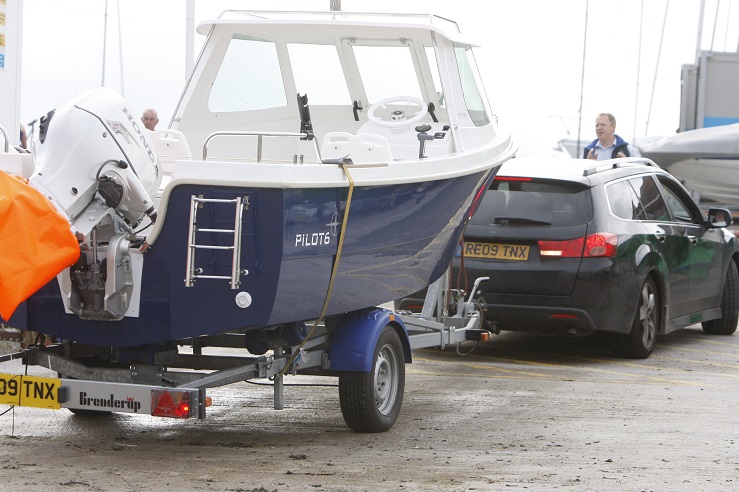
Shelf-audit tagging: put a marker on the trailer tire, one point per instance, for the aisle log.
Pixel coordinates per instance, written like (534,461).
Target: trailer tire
(371,401)
(256,342)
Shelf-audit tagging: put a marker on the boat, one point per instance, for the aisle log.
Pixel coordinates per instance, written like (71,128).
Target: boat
(705,160)
(317,163)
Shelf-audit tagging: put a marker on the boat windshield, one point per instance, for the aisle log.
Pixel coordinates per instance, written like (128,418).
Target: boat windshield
(249,78)
(387,71)
(472,88)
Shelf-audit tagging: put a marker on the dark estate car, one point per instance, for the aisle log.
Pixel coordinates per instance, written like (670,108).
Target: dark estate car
(578,246)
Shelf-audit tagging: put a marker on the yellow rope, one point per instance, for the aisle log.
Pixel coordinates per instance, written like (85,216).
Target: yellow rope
(333,272)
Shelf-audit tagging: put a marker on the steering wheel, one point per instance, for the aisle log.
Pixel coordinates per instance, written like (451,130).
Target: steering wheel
(397,118)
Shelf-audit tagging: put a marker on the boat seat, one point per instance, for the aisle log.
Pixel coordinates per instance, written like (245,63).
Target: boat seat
(170,146)
(404,142)
(364,148)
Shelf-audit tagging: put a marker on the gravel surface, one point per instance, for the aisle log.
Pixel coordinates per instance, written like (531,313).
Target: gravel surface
(522,412)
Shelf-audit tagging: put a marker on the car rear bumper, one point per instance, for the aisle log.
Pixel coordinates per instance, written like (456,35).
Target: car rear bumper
(603,299)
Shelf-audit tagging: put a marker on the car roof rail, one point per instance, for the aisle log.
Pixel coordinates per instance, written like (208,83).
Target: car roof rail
(601,166)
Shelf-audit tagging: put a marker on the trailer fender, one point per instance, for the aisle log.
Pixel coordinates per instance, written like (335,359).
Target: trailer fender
(353,344)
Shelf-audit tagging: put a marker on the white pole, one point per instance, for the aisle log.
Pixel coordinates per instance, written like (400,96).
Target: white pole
(189,37)
(582,79)
(105,40)
(10,72)
(638,71)
(120,48)
(700,31)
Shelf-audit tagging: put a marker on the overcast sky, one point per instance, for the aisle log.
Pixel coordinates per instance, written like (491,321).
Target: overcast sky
(530,56)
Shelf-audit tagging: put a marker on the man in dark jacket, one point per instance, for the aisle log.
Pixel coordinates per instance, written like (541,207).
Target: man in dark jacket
(608,145)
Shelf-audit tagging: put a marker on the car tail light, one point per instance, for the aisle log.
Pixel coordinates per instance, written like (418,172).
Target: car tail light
(562,249)
(601,244)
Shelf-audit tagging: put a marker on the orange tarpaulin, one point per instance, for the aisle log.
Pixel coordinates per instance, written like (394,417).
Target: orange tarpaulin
(36,242)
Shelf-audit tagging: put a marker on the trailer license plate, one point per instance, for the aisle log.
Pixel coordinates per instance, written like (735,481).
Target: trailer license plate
(495,251)
(29,391)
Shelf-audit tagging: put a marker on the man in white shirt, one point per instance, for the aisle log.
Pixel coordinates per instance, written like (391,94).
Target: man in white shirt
(608,145)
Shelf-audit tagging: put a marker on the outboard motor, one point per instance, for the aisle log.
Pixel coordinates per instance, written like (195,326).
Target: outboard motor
(95,162)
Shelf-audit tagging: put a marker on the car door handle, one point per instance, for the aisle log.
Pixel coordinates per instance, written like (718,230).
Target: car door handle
(660,235)
(693,239)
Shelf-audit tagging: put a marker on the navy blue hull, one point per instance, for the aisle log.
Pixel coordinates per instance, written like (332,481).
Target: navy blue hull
(399,239)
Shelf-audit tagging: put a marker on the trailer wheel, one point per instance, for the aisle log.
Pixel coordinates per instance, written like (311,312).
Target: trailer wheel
(370,401)
(256,342)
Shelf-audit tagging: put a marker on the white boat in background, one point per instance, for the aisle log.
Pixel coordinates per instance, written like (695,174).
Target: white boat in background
(705,160)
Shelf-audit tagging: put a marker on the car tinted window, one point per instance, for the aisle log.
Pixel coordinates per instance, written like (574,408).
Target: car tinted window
(637,199)
(559,203)
(624,201)
(650,197)
(683,208)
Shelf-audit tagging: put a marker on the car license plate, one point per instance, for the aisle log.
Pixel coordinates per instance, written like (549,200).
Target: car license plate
(496,251)
(29,391)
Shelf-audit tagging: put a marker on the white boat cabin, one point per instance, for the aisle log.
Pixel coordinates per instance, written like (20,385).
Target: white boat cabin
(372,83)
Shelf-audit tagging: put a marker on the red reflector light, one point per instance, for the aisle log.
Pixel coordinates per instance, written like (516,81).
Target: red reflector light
(170,403)
(511,178)
(564,316)
(601,244)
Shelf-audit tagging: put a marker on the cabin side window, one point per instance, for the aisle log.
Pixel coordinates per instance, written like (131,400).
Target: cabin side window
(472,88)
(249,78)
(433,66)
(318,73)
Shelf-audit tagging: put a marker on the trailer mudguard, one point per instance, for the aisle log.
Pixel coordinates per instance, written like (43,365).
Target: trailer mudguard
(354,341)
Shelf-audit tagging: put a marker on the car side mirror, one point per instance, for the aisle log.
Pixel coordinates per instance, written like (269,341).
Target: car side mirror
(719,217)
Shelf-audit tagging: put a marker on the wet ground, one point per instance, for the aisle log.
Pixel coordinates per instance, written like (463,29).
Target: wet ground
(522,412)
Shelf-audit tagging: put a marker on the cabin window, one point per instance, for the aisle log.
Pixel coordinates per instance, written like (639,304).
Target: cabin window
(387,71)
(317,71)
(249,78)
(472,88)
(434,68)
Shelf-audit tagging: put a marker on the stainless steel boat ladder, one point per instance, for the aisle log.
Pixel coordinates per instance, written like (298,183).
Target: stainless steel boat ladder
(194,273)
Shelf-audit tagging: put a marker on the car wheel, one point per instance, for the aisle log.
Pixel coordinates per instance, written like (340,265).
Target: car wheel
(640,341)
(726,324)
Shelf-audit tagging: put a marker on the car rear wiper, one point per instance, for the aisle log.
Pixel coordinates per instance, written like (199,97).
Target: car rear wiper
(520,220)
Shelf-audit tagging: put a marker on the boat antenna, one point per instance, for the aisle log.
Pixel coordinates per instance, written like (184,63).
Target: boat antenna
(582,77)
(656,68)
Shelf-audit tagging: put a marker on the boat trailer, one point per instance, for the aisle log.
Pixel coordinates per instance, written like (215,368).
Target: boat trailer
(367,350)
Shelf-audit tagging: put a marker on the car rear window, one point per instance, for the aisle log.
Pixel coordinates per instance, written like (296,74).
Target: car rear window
(513,201)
